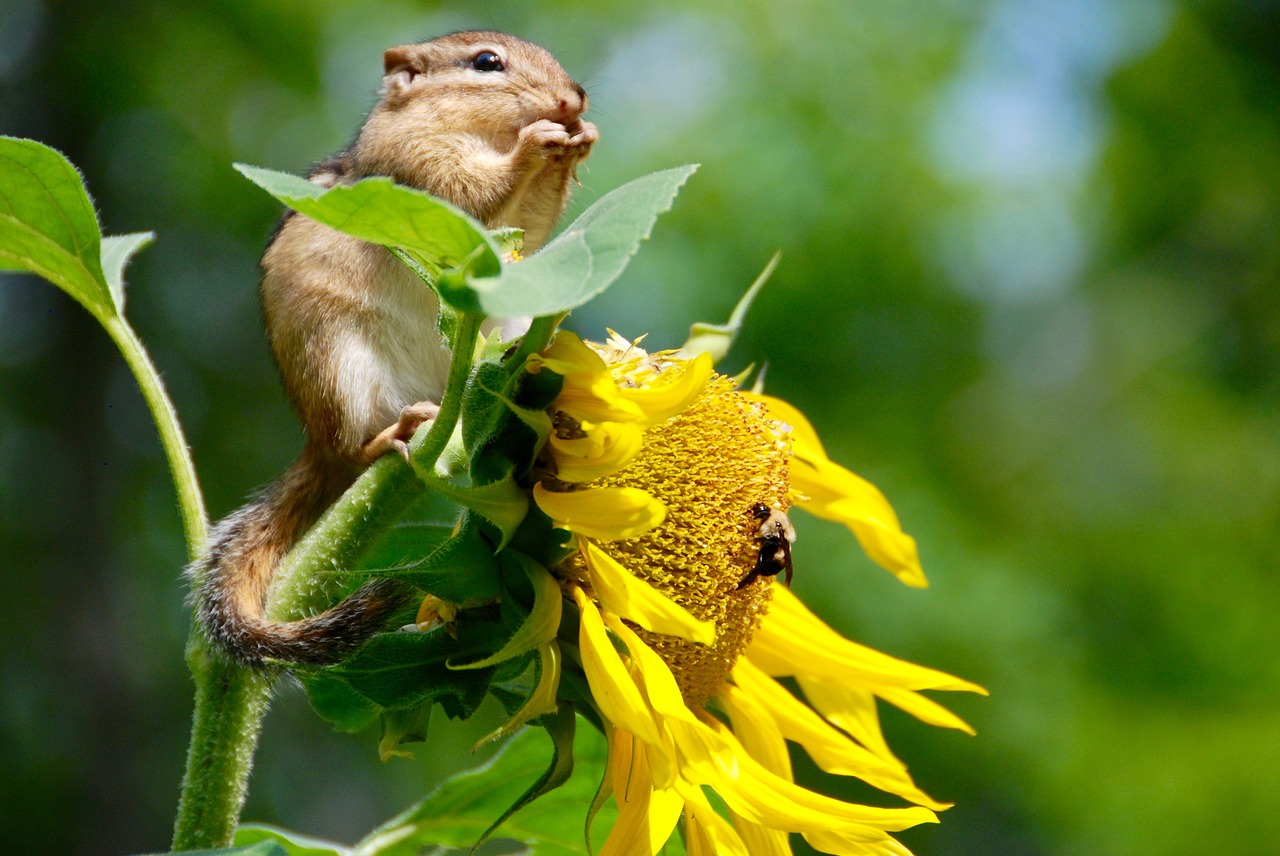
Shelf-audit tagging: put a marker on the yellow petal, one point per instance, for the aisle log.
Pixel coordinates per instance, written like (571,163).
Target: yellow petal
(829,749)
(607,448)
(612,688)
(757,730)
(759,796)
(606,513)
(707,833)
(802,430)
(828,490)
(622,593)
(925,709)
(852,842)
(657,683)
(851,709)
(793,641)
(646,816)
(761,840)
(672,391)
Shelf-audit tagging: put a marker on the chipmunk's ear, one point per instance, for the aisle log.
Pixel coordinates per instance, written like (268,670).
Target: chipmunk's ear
(402,64)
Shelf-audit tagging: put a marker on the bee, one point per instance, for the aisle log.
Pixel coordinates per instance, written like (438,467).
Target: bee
(776,535)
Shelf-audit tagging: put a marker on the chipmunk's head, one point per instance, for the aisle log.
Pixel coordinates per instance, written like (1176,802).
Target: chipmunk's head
(480,82)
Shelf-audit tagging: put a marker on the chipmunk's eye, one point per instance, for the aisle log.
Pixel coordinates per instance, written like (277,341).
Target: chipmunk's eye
(487,61)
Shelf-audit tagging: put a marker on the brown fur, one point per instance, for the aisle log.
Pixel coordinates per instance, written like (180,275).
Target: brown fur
(354,333)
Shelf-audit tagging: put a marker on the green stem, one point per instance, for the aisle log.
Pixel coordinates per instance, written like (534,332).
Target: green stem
(230,703)
(190,502)
(534,340)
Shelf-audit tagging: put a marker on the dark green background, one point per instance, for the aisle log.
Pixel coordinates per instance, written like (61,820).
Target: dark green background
(1029,288)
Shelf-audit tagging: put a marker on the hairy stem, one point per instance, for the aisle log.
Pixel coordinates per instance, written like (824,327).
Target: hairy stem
(195,521)
(230,703)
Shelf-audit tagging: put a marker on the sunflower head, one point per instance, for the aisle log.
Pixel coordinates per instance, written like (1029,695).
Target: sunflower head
(709,466)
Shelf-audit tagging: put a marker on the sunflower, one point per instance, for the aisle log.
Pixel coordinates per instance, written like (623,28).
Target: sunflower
(659,468)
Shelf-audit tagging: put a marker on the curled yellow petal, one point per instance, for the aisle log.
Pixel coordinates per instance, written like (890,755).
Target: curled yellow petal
(606,449)
(590,393)
(541,700)
(608,513)
(671,391)
(612,687)
(622,593)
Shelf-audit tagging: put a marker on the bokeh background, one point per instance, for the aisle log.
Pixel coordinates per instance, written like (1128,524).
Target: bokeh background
(1029,288)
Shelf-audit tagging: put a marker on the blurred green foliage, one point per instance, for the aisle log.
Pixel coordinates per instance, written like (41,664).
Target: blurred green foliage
(1029,288)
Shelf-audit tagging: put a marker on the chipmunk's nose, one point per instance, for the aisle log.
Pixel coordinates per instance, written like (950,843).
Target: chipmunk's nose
(570,105)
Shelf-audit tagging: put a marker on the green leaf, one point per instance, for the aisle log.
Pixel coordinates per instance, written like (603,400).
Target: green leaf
(716,339)
(581,261)
(48,225)
(117,251)
(465,806)
(383,212)
(282,841)
(542,622)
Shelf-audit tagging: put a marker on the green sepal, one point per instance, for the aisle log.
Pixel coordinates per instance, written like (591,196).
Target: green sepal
(542,621)
(403,726)
(456,566)
(337,703)
(537,390)
(382,212)
(540,700)
(717,339)
(560,728)
(539,537)
(501,503)
(502,436)
(282,841)
(403,670)
(584,259)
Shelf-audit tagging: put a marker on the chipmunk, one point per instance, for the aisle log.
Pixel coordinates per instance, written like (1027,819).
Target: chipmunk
(482,119)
